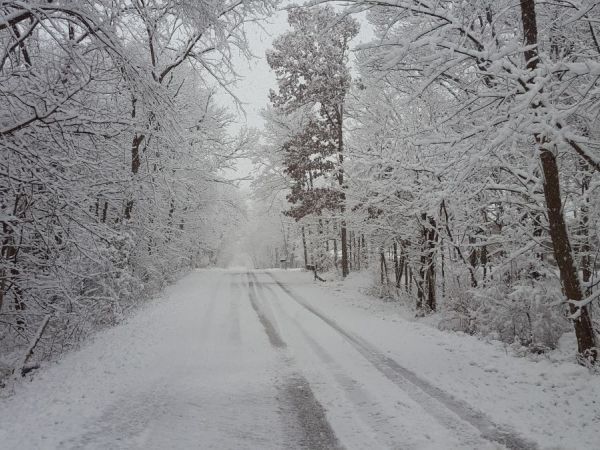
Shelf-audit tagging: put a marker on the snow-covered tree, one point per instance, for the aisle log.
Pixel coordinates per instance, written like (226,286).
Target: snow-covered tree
(311,65)
(481,143)
(112,150)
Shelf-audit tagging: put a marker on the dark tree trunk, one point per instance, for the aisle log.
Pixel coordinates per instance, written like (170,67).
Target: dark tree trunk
(586,340)
(104,212)
(384,276)
(335,253)
(484,261)
(358,253)
(397,265)
(473,257)
(343,234)
(9,279)
(321,258)
(343,239)
(584,331)
(135,158)
(354,250)
(432,239)
(363,246)
(304,248)
(350,251)
(423,265)
(443,269)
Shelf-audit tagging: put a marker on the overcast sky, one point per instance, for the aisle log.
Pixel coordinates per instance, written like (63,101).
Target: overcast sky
(253,88)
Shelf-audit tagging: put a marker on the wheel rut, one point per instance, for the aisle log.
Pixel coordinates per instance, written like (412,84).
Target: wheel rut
(303,414)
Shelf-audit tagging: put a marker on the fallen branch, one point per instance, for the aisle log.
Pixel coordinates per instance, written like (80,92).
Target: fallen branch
(23,368)
(314,270)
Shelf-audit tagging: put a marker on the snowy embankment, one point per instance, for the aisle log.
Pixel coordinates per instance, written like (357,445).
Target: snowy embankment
(551,401)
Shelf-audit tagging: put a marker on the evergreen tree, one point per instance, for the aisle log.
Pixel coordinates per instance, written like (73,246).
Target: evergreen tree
(311,65)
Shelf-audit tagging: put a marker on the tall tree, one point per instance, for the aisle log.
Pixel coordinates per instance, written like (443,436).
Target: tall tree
(561,243)
(311,65)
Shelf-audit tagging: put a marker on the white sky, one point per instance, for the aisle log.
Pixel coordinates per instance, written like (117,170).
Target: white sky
(257,78)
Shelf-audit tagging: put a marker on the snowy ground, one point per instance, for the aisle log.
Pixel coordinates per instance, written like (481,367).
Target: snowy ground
(236,359)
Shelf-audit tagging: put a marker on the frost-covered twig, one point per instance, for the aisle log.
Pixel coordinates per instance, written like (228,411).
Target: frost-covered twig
(580,304)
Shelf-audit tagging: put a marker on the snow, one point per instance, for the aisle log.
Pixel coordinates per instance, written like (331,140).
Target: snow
(177,375)
(553,402)
(199,368)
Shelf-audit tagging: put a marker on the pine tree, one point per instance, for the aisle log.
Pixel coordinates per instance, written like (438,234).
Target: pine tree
(311,65)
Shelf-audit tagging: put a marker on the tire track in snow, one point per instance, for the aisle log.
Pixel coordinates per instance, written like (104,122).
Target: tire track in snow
(272,333)
(430,397)
(234,313)
(362,404)
(313,431)
(376,414)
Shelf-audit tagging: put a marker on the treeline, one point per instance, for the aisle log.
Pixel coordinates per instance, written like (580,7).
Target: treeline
(111,147)
(465,149)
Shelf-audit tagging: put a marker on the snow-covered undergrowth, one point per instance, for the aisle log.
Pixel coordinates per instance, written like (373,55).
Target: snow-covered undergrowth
(66,333)
(529,317)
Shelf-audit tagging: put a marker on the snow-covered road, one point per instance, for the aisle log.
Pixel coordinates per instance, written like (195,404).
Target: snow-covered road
(238,359)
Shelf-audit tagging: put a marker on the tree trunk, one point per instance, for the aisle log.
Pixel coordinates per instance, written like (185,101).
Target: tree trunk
(343,234)
(423,266)
(321,256)
(343,238)
(473,257)
(484,261)
(358,253)
(350,251)
(584,331)
(432,239)
(355,251)
(9,280)
(569,277)
(304,247)
(397,266)
(135,158)
(335,254)
(364,251)
(104,212)
(384,275)
(443,268)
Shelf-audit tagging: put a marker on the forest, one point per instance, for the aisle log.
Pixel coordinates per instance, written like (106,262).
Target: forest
(455,157)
